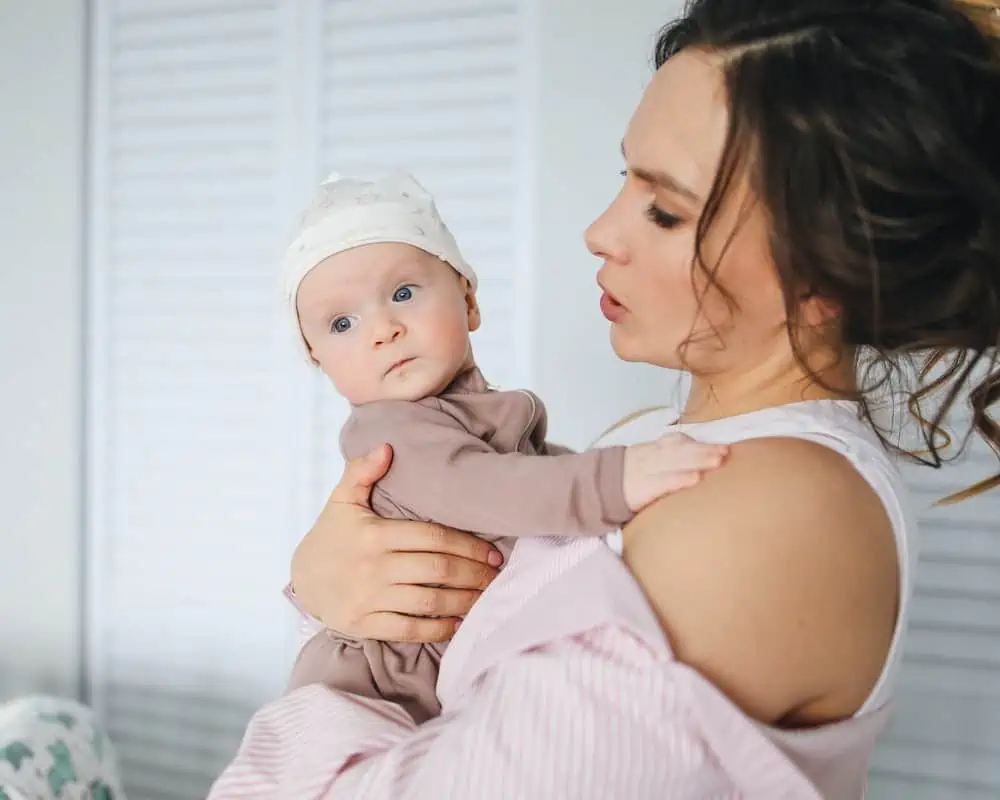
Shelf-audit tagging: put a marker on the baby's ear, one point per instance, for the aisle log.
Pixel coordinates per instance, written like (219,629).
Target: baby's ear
(475,317)
(310,355)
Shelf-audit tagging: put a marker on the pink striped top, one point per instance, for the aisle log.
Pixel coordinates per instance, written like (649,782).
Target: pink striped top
(559,684)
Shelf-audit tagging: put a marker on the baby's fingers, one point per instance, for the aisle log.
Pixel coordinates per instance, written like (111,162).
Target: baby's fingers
(688,454)
(676,481)
(709,456)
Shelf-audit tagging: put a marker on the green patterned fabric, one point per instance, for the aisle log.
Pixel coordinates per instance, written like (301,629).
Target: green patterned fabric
(54,749)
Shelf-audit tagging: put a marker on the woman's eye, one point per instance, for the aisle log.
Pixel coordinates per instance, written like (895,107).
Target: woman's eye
(341,325)
(661,218)
(402,294)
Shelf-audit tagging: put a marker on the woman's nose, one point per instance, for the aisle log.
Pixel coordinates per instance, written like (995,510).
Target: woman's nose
(604,237)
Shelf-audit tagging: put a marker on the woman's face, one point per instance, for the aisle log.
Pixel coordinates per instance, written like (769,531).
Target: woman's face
(652,294)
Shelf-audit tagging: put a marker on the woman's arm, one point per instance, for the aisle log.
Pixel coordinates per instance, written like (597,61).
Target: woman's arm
(776,578)
(395,580)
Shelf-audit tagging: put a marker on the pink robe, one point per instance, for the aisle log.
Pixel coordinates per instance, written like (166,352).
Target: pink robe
(559,684)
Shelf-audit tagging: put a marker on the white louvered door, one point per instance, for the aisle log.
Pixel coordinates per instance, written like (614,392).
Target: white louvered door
(189,470)
(210,446)
(944,739)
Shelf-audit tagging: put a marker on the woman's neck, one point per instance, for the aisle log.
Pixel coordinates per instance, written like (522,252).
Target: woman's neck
(718,396)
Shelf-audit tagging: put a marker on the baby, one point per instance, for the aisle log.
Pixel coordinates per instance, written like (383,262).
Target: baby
(384,303)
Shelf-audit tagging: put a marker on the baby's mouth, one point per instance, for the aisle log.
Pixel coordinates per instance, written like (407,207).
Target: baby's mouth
(401,363)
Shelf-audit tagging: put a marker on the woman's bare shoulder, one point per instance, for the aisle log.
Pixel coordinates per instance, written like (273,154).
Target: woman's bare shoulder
(776,577)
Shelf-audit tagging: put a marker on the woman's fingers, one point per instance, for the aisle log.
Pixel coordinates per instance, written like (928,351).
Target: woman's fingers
(391,627)
(440,569)
(428,601)
(429,538)
(370,577)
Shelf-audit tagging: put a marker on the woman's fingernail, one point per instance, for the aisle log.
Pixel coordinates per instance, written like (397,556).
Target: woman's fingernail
(494,559)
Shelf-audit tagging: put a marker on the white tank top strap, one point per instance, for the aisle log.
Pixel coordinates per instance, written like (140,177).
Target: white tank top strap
(831,423)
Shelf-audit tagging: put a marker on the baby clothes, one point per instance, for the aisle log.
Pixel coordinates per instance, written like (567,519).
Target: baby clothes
(475,459)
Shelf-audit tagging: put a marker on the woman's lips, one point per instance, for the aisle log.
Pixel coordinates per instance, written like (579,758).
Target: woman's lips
(613,310)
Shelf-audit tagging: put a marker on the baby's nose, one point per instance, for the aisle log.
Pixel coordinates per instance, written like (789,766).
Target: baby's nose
(388,332)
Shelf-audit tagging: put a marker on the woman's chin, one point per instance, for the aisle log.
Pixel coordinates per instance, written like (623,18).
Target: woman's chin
(625,346)
(634,350)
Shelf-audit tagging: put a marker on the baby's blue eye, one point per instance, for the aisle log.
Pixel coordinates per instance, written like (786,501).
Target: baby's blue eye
(341,325)
(402,294)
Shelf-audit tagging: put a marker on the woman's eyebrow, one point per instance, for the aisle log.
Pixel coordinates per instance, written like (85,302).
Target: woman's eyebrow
(662,179)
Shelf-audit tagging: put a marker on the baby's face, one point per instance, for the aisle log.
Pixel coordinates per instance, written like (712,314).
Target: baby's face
(387,322)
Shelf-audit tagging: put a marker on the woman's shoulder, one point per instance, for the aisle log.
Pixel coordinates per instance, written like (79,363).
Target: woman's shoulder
(776,577)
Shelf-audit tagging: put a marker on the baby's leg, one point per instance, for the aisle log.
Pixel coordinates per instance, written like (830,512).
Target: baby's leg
(401,673)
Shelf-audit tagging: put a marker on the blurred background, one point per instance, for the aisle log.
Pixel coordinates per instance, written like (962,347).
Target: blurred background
(164,447)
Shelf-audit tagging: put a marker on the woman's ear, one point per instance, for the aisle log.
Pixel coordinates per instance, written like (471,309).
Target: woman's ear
(475,317)
(818,312)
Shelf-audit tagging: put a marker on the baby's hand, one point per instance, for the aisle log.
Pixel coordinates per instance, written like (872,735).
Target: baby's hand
(672,462)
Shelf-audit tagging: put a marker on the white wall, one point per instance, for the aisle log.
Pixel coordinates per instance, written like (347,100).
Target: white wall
(596,58)
(41,140)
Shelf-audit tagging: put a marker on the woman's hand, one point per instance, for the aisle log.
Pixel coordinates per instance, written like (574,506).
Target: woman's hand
(395,580)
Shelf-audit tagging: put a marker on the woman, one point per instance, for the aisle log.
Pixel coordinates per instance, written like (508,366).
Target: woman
(810,186)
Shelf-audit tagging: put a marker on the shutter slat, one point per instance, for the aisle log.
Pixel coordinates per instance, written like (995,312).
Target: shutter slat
(140,33)
(979,539)
(961,645)
(944,766)
(344,12)
(925,676)
(452,93)
(973,512)
(890,786)
(371,68)
(186,82)
(383,124)
(403,34)
(969,579)
(157,111)
(204,248)
(432,150)
(251,130)
(224,52)
(958,610)
(127,10)
(948,719)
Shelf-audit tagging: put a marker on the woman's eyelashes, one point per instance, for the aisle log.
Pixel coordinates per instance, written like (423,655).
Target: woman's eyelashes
(656,215)
(661,218)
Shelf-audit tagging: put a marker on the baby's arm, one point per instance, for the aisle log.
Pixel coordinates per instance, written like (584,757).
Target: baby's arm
(443,473)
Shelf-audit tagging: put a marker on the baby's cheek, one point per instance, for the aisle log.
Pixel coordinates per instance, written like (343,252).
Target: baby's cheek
(351,376)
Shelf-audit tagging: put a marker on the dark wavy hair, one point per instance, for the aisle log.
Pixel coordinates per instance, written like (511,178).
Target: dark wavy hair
(870,130)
